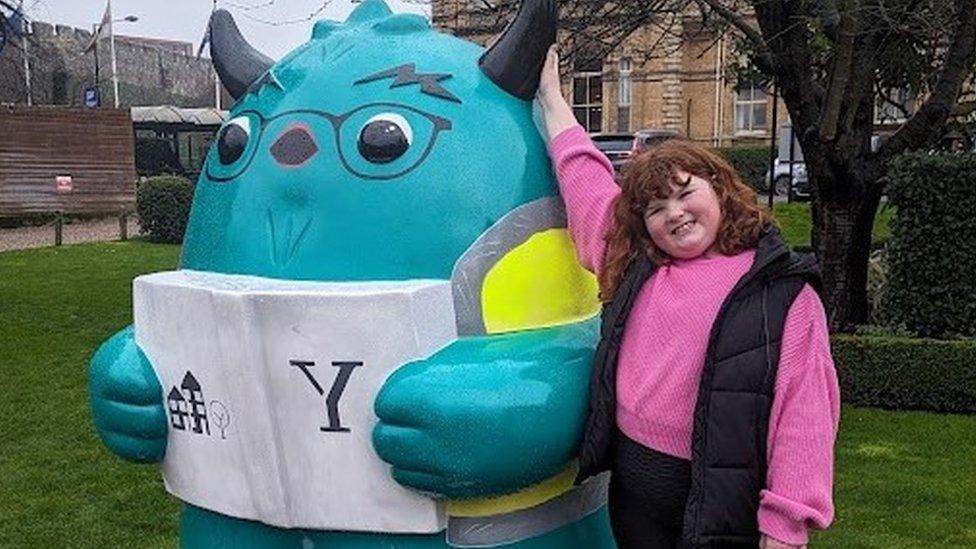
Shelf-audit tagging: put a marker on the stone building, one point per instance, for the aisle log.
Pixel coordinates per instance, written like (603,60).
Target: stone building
(675,82)
(150,71)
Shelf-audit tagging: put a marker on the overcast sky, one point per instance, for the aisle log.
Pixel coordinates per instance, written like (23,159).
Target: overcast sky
(274,27)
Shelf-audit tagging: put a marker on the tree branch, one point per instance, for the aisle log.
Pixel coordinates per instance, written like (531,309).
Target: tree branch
(762,57)
(841,73)
(937,108)
(789,43)
(886,98)
(830,19)
(8,5)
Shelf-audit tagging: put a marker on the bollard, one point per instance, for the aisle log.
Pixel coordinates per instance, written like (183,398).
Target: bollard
(58,226)
(123,226)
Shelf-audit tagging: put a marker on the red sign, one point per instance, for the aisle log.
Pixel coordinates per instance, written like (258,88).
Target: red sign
(63,183)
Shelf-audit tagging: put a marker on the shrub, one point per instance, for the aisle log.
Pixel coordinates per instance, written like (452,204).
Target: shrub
(931,257)
(163,203)
(906,373)
(752,163)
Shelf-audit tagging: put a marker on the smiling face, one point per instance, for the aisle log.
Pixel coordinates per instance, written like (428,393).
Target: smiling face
(684,225)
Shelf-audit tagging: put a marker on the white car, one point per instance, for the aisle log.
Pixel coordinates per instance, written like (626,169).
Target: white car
(781,179)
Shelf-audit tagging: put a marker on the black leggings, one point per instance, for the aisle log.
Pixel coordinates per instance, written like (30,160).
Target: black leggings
(648,492)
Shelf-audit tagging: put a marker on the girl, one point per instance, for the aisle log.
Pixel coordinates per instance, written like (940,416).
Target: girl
(714,400)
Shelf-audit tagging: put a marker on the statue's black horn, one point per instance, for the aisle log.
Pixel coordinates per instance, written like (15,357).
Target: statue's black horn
(516,58)
(238,64)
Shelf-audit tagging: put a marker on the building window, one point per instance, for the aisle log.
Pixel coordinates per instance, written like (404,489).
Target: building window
(750,109)
(624,92)
(588,95)
(193,149)
(894,106)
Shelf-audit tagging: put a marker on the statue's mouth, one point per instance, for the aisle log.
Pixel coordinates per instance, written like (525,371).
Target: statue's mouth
(285,234)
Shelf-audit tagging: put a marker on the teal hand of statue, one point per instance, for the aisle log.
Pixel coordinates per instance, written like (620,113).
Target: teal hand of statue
(487,415)
(127,400)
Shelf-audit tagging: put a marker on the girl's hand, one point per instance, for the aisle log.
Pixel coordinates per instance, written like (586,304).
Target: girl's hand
(556,115)
(766,542)
(549,88)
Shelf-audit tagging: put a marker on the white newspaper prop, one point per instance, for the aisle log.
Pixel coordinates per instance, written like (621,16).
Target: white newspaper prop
(269,387)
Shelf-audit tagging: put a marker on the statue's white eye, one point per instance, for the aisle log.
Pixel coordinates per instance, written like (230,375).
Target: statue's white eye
(232,140)
(384,138)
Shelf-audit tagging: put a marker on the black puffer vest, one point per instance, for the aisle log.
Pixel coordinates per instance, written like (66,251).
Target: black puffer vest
(728,464)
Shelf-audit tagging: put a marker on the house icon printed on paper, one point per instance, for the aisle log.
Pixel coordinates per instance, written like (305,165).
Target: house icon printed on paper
(177,409)
(188,403)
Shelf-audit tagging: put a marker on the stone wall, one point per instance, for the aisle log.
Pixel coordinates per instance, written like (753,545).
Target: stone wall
(151,72)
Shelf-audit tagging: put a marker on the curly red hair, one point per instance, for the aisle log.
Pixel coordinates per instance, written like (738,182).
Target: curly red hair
(649,175)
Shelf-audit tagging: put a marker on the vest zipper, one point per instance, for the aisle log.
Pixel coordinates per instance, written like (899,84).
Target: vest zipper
(698,465)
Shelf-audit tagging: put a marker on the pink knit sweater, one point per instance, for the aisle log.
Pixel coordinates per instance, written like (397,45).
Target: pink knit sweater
(663,352)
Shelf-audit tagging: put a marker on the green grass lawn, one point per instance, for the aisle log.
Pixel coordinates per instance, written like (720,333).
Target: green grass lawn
(794,219)
(60,486)
(904,479)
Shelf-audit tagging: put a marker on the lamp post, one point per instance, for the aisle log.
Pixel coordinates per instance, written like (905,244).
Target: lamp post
(111,35)
(27,74)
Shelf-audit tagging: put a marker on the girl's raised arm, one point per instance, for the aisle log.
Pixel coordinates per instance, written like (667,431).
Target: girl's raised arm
(585,175)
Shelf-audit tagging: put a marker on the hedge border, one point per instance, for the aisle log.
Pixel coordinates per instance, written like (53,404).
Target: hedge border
(906,373)
(932,254)
(750,162)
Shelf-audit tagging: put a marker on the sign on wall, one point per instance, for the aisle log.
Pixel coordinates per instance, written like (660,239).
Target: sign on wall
(92,98)
(63,184)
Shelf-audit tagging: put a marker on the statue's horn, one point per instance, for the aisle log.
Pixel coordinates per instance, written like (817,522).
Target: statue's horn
(238,64)
(515,59)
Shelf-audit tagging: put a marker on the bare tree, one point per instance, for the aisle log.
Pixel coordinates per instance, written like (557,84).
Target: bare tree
(588,29)
(833,62)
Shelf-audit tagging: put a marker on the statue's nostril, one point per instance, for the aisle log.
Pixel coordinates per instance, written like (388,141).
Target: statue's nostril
(294,147)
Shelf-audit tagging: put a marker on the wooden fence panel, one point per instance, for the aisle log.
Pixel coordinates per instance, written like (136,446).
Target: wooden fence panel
(93,146)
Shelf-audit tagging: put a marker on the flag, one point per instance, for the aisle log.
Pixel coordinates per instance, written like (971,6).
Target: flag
(204,41)
(11,25)
(106,21)
(206,34)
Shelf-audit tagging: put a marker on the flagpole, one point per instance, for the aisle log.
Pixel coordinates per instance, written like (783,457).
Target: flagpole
(98,82)
(111,41)
(213,70)
(27,74)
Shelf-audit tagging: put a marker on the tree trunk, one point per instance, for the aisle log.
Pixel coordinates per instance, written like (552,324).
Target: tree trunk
(842,242)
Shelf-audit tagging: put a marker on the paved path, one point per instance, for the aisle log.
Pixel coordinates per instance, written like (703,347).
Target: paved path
(95,230)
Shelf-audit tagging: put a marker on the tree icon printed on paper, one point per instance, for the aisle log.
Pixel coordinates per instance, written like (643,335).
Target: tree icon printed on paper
(220,416)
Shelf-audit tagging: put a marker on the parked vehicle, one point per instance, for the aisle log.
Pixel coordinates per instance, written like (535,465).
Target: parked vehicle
(649,137)
(781,179)
(619,147)
(616,147)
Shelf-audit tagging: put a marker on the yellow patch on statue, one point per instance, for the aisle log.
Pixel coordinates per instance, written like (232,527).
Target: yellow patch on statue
(537,284)
(523,499)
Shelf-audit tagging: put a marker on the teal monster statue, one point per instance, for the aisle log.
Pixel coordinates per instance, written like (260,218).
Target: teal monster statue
(378,196)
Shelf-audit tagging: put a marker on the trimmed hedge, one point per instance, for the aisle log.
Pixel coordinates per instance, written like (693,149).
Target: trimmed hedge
(163,203)
(930,286)
(906,373)
(752,163)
